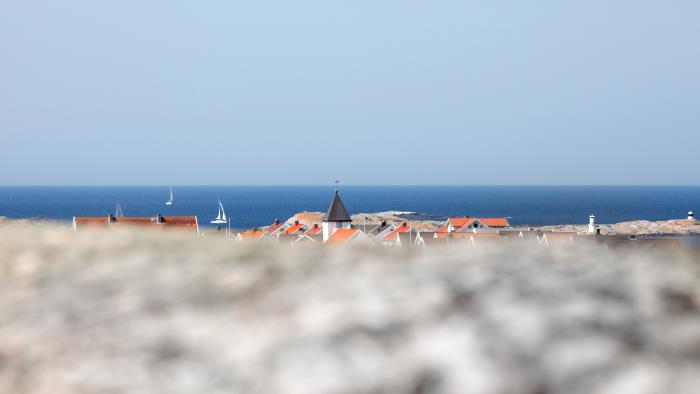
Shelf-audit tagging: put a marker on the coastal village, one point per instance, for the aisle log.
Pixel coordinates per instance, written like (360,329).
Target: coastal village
(337,227)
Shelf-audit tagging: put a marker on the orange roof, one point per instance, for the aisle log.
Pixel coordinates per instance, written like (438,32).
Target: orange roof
(459,222)
(293,228)
(490,222)
(401,229)
(178,222)
(92,222)
(274,226)
(494,222)
(341,236)
(443,229)
(252,234)
(315,229)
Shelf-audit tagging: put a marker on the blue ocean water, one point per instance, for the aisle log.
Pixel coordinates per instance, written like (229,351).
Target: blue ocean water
(250,206)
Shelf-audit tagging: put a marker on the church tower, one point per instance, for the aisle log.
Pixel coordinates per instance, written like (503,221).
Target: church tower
(336,217)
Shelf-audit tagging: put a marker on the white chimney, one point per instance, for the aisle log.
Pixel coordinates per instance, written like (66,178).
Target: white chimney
(690,215)
(591,224)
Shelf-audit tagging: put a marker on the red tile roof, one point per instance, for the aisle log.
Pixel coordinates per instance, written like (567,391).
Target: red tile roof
(494,222)
(401,229)
(252,235)
(274,226)
(315,229)
(490,222)
(92,222)
(293,228)
(341,236)
(459,222)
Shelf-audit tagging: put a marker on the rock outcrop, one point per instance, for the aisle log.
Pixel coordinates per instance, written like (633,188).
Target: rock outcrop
(128,311)
(638,227)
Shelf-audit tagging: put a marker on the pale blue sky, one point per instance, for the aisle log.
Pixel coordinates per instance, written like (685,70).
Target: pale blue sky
(370,92)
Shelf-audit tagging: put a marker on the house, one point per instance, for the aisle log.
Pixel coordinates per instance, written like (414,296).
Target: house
(556,239)
(430,241)
(473,224)
(390,235)
(285,238)
(294,228)
(336,218)
(344,236)
(275,227)
(482,239)
(299,238)
(515,232)
(375,230)
(308,239)
(470,237)
(254,234)
(314,230)
(467,236)
(409,239)
(187,223)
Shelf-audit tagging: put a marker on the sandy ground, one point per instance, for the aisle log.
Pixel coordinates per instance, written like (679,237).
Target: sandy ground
(149,312)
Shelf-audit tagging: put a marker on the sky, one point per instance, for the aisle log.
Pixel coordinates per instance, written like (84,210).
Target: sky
(367,92)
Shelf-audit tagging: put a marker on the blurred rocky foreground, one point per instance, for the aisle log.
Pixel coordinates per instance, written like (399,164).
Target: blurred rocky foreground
(149,312)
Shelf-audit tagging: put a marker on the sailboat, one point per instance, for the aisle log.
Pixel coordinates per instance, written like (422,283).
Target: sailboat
(221,217)
(170,201)
(119,213)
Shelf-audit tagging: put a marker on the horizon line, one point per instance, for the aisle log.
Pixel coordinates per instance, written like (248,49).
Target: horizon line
(362,185)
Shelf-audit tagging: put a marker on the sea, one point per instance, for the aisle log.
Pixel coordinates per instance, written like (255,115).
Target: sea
(253,206)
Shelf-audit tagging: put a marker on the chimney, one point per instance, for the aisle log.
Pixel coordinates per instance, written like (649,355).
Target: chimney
(383,223)
(690,215)
(110,218)
(277,221)
(159,218)
(315,225)
(591,225)
(296,222)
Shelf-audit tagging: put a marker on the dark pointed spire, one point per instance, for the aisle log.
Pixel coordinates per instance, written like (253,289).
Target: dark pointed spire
(337,212)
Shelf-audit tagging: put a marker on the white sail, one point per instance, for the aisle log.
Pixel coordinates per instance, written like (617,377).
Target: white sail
(119,212)
(223,213)
(170,201)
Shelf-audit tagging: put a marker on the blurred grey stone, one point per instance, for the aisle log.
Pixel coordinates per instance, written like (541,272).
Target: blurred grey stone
(145,312)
